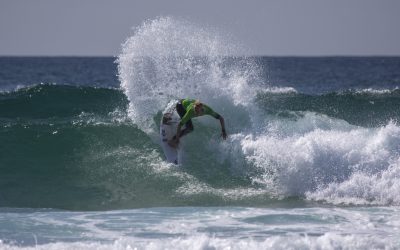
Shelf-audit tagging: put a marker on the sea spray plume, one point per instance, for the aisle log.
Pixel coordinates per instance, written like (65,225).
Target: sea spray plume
(169,58)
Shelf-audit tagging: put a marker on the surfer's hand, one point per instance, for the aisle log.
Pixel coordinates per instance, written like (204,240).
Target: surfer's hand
(223,134)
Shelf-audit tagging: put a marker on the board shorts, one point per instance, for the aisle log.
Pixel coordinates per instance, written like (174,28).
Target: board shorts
(182,111)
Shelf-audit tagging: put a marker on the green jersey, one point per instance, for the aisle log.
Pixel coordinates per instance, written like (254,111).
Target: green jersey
(188,104)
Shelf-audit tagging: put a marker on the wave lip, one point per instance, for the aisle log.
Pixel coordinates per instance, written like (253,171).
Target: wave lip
(376,91)
(279,90)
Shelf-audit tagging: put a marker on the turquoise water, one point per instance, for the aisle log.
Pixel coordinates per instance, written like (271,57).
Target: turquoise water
(311,162)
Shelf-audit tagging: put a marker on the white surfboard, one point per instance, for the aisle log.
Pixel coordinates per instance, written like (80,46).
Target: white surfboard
(168,125)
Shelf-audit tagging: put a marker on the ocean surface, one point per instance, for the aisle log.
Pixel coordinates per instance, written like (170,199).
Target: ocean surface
(312,159)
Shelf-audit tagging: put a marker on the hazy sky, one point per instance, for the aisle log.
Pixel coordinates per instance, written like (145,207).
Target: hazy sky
(269,27)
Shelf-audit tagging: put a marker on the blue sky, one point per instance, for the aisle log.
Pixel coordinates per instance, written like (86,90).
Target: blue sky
(270,27)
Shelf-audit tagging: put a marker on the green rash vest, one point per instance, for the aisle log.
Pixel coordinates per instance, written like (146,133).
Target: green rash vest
(188,104)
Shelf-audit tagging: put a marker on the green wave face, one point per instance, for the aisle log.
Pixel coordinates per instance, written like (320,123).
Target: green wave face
(76,148)
(367,109)
(46,101)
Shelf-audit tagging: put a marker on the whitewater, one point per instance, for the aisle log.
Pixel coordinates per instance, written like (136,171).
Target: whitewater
(311,161)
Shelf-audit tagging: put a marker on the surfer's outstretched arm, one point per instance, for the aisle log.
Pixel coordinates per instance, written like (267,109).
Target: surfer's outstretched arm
(221,120)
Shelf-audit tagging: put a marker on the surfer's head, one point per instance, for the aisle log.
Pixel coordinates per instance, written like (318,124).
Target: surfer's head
(198,107)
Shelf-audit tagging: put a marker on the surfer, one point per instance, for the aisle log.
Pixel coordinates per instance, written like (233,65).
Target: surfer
(188,109)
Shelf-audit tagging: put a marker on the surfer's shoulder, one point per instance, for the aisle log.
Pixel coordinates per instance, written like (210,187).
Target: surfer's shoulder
(210,111)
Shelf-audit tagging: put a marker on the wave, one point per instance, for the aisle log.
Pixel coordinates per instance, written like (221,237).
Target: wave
(98,158)
(97,148)
(49,100)
(359,107)
(327,160)
(287,143)
(78,149)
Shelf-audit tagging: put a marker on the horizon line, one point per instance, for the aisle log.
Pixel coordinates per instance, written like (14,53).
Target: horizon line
(252,55)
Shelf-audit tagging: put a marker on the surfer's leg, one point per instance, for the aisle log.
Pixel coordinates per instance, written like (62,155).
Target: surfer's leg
(180,109)
(188,128)
(188,125)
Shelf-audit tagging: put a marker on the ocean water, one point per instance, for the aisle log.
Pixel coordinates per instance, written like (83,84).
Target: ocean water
(312,160)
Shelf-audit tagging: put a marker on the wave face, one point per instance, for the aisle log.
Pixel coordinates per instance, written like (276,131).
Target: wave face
(77,148)
(86,147)
(365,107)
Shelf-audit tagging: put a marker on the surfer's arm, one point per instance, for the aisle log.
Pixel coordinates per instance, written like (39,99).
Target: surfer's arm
(223,131)
(186,118)
(209,111)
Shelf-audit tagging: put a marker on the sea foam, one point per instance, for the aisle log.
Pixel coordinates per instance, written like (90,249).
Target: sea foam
(327,241)
(329,161)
